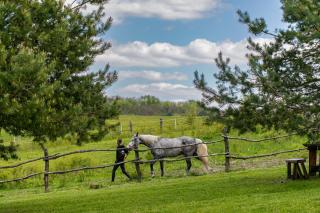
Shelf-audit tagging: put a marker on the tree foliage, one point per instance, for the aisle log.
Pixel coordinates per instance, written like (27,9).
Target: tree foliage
(46,89)
(280,88)
(150,105)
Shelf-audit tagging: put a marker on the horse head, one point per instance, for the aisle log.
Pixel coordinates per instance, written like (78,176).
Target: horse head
(135,141)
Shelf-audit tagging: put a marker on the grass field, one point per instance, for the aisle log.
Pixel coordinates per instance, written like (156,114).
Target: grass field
(259,190)
(175,191)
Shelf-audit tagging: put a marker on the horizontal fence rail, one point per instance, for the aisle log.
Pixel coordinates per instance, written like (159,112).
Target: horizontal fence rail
(59,155)
(88,168)
(259,140)
(110,165)
(22,163)
(137,161)
(169,125)
(56,156)
(21,178)
(180,159)
(267,155)
(26,162)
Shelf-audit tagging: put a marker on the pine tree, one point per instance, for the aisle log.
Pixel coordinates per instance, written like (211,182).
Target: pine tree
(281,86)
(46,88)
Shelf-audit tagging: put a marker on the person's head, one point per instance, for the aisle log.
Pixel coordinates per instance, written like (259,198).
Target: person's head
(119,141)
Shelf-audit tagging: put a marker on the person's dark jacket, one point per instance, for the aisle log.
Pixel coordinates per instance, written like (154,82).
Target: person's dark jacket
(121,153)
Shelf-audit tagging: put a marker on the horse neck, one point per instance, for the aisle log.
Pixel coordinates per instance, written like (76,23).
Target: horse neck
(147,141)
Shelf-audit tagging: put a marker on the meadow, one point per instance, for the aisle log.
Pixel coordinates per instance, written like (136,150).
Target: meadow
(259,190)
(250,177)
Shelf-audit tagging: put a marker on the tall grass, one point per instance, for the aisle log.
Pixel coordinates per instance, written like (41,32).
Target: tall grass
(144,125)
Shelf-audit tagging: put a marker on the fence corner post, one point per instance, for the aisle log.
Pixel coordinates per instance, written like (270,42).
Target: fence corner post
(120,129)
(130,127)
(227,149)
(161,125)
(46,167)
(137,163)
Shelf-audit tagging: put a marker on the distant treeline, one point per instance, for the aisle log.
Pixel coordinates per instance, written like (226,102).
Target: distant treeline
(150,105)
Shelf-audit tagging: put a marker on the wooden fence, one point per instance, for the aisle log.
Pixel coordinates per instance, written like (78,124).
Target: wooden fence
(137,161)
(157,125)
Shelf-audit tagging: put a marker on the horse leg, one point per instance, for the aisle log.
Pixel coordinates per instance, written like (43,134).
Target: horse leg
(151,168)
(161,167)
(188,166)
(206,165)
(203,152)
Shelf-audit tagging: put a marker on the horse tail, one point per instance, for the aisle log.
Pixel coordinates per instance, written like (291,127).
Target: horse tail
(202,152)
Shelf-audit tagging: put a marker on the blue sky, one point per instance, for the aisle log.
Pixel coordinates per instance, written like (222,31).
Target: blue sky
(157,45)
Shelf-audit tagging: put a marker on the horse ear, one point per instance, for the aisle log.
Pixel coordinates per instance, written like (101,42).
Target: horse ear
(137,134)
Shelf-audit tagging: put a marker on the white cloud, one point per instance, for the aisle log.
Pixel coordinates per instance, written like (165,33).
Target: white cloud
(153,75)
(162,90)
(163,9)
(199,51)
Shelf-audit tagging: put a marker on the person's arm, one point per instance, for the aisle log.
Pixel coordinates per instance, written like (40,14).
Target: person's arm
(126,151)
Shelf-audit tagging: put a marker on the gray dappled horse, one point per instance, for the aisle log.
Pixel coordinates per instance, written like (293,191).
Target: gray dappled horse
(172,147)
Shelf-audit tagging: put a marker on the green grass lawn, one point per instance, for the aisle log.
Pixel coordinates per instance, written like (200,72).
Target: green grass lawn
(29,150)
(261,187)
(260,190)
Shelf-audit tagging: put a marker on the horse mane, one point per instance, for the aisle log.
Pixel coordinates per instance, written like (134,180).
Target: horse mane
(149,138)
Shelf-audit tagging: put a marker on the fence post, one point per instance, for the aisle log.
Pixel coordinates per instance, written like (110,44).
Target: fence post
(137,158)
(175,123)
(227,149)
(161,125)
(46,168)
(130,126)
(120,128)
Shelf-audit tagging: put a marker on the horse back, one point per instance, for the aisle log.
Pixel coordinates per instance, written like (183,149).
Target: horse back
(173,147)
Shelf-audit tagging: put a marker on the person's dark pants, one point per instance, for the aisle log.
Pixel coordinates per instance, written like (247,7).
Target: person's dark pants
(123,169)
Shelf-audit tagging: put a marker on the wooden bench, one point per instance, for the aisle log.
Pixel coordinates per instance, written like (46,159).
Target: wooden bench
(296,173)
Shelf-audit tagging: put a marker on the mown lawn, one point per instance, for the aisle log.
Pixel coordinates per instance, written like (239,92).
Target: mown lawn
(259,190)
(29,150)
(239,191)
